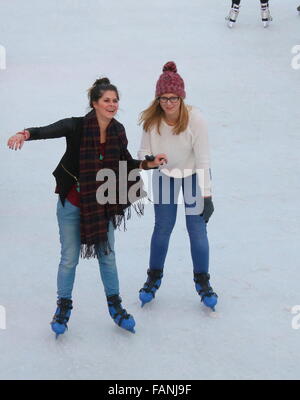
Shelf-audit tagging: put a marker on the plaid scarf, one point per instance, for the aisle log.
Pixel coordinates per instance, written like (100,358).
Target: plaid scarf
(95,217)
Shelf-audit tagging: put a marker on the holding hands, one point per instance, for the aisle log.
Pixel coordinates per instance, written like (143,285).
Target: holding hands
(159,159)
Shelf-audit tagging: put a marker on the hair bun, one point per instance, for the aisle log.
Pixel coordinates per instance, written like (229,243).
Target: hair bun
(102,81)
(170,66)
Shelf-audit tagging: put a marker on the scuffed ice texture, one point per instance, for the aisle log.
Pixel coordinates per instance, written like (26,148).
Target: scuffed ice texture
(242,81)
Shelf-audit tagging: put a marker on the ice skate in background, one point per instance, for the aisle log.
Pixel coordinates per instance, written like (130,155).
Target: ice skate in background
(232,16)
(265,14)
(235,8)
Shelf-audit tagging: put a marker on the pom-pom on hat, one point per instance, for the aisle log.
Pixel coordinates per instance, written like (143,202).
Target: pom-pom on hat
(170,81)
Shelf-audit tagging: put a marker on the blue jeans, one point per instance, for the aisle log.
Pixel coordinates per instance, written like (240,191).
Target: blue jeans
(165,208)
(68,217)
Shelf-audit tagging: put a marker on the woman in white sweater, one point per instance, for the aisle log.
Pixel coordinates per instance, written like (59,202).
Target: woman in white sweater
(179,131)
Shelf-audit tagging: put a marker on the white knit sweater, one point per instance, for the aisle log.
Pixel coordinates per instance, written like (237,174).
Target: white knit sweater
(187,152)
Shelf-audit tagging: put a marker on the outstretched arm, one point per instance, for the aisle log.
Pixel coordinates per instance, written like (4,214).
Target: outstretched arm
(56,130)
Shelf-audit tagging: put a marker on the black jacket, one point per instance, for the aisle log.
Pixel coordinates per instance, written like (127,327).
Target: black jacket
(72,129)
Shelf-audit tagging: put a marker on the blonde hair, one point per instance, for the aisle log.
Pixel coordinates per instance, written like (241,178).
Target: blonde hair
(153,115)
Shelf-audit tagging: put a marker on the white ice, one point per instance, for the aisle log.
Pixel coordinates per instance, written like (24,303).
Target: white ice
(243,82)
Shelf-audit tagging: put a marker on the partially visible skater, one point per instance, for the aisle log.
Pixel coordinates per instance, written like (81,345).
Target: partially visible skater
(298,9)
(235,9)
(86,227)
(180,132)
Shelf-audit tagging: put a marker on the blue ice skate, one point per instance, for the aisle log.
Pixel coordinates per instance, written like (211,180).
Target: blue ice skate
(119,314)
(147,293)
(61,316)
(205,291)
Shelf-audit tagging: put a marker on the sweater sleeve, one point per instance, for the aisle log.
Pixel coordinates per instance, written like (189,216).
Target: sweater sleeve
(145,147)
(58,129)
(201,153)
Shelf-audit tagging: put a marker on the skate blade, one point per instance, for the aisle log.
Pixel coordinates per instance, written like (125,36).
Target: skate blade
(210,308)
(230,24)
(145,302)
(58,334)
(131,330)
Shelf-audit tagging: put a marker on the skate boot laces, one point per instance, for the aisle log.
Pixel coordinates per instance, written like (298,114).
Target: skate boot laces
(117,312)
(153,281)
(63,311)
(202,285)
(265,13)
(233,14)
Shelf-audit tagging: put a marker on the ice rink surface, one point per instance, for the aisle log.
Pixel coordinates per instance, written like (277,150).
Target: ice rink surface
(243,81)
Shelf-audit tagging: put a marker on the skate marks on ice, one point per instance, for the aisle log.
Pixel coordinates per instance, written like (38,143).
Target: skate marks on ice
(194,309)
(209,313)
(72,351)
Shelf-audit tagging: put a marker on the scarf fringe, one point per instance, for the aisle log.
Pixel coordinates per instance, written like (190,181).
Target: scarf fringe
(118,220)
(92,250)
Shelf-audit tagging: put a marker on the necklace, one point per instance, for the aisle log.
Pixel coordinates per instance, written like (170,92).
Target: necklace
(171,123)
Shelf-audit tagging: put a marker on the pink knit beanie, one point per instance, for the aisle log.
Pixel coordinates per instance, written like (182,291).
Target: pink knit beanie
(169,81)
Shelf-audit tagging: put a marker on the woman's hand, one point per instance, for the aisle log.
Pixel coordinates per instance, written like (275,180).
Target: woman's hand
(160,159)
(16,141)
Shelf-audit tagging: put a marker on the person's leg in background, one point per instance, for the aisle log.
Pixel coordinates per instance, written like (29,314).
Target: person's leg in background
(265,13)
(233,13)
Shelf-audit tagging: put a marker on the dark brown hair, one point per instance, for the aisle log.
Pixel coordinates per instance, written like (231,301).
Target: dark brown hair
(100,86)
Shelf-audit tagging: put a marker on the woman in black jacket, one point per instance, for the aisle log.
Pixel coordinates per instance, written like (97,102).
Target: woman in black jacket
(87,214)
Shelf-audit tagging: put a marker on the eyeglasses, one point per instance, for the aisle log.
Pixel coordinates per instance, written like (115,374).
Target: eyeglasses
(164,100)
